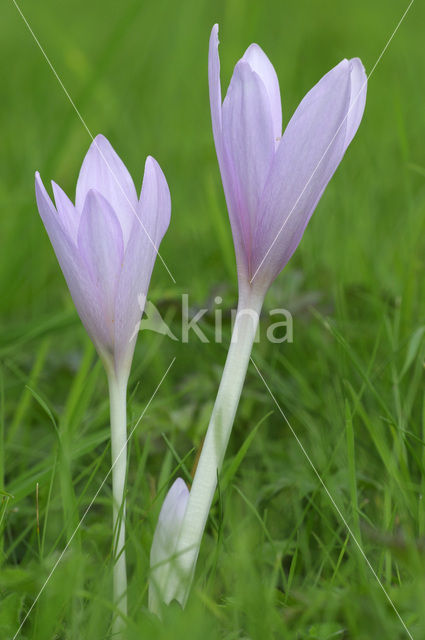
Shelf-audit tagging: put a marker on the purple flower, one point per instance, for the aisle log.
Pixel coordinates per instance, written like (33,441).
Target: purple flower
(106,245)
(273,182)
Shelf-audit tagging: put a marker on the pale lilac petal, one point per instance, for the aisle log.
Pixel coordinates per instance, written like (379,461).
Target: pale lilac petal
(165,541)
(259,62)
(249,142)
(155,202)
(171,515)
(139,258)
(104,171)
(101,248)
(77,279)
(215,86)
(357,99)
(59,238)
(68,214)
(310,150)
(240,227)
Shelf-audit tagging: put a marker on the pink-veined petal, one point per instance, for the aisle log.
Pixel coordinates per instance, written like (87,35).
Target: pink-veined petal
(68,214)
(101,248)
(104,171)
(139,258)
(310,150)
(215,86)
(240,229)
(79,283)
(249,143)
(259,62)
(357,99)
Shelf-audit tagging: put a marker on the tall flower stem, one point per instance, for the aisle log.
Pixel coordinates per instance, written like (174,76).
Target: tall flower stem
(118,406)
(215,444)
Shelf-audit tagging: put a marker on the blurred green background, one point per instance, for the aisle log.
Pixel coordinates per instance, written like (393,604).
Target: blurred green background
(277,560)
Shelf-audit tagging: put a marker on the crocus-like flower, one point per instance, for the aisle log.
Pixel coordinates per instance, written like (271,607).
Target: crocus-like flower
(106,245)
(272,183)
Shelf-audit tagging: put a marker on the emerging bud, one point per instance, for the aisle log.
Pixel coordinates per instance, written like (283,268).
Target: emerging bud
(164,543)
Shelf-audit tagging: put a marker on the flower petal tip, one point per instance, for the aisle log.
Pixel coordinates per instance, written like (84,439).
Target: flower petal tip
(100,139)
(39,184)
(41,191)
(176,497)
(151,163)
(214,41)
(357,65)
(180,487)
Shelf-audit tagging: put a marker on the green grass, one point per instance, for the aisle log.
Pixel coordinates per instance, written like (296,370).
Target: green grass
(277,560)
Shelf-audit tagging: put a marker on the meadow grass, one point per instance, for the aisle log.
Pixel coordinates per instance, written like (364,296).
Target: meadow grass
(277,560)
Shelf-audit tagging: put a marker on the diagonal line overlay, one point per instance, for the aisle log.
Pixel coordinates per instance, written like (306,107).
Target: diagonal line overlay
(74,106)
(337,509)
(55,566)
(333,139)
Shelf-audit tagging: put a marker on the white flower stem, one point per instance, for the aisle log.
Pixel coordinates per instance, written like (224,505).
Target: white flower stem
(118,406)
(205,481)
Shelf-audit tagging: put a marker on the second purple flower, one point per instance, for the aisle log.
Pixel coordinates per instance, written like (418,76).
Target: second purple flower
(273,182)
